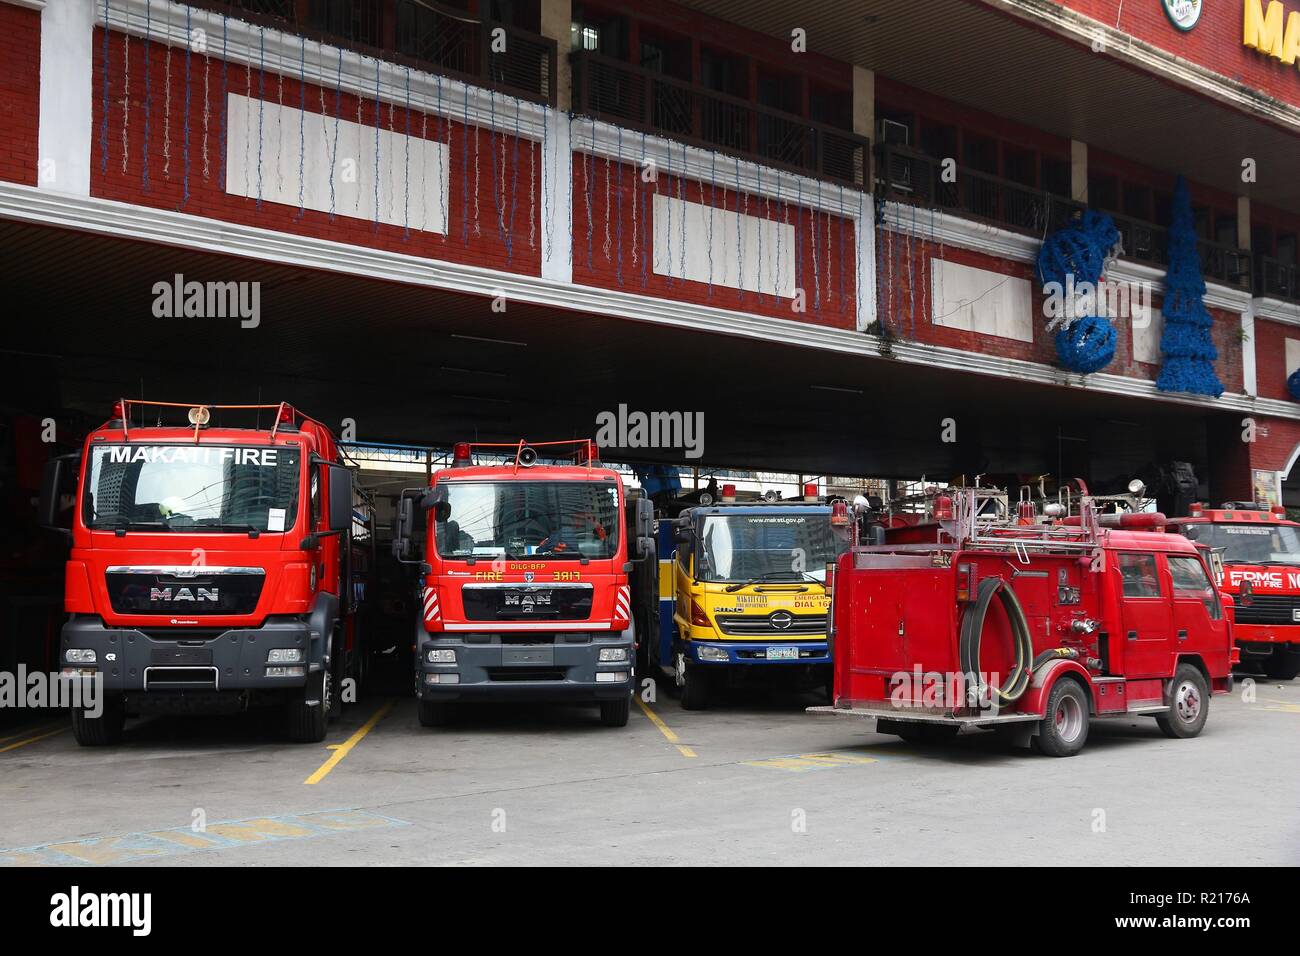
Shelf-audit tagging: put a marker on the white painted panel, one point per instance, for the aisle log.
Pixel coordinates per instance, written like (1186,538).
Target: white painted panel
(977,300)
(417,198)
(1292,355)
(697,258)
(66,123)
(1146,340)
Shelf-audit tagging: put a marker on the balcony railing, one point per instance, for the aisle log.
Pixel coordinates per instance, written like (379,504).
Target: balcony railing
(1278,279)
(421,34)
(909,175)
(609,89)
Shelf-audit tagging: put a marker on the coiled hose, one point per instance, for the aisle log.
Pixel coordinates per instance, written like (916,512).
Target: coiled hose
(972,635)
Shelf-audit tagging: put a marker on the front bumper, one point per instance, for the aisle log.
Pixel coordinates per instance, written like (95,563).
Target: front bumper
(132,661)
(487,668)
(754,653)
(1260,639)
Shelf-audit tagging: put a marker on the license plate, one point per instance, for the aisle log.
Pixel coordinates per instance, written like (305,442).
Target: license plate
(783,653)
(1295,614)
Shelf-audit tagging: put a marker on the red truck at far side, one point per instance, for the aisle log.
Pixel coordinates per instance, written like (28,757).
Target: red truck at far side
(1028,624)
(1261,569)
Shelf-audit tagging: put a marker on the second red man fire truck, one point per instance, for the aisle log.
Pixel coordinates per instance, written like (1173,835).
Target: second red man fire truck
(536,579)
(211,568)
(1025,623)
(1261,569)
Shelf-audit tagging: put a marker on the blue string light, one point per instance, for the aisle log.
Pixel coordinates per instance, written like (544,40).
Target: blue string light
(911,284)
(378,111)
(568,207)
(762,225)
(492,149)
(185,143)
(740,259)
(261,103)
(681,199)
(148,90)
(839,270)
(713,202)
(103,126)
(225,95)
(302,123)
(443,215)
(464,174)
(1073,255)
(406,199)
(780,228)
(514,187)
(338,109)
(618,269)
(589,174)
(646,251)
(798,235)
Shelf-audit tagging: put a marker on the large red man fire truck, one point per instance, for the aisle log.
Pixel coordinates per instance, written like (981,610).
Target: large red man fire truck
(1261,556)
(527,591)
(211,567)
(977,617)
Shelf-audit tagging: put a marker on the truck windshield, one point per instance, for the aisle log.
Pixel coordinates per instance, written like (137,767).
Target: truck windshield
(1253,544)
(191,488)
(516,519)
(760,547)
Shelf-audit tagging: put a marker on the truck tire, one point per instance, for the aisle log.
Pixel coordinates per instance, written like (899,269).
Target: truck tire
(1283,664)
(1189,704)
(1064,729)
(434,714)
(614,713)
(99,731)
(692,684)
(309,722)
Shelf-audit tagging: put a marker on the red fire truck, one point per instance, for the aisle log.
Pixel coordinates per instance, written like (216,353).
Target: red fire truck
(1261,558)
(526,589)
(978,617)
(211,567)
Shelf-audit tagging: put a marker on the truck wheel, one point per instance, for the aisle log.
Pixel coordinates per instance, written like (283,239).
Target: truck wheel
(1064,731)
(691,684)
(1189,704)
(308,722)
(99,731)
(434,714)
(614,713)
(1283,664)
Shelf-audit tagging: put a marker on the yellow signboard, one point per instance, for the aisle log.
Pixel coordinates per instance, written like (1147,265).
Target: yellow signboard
(1272,30)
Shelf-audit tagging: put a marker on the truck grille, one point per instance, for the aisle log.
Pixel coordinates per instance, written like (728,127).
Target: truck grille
(770,625)
(187,591)
(1270,609)
(527,602)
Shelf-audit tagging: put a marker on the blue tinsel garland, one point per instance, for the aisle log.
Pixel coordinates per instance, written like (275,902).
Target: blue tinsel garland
(1186,343)
(1079,251)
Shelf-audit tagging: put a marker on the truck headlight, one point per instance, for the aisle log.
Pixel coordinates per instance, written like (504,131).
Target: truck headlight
(79,655)
(717,654)
(284,655)
(613,655)
(440,655)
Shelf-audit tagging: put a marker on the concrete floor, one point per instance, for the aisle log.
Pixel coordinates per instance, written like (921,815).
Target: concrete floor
(767,784)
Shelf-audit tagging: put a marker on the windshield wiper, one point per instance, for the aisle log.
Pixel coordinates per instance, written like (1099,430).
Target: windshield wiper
(732,588)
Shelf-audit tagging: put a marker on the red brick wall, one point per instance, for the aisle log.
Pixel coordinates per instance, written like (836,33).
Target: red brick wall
(20,93)
(476,241)
(1270,358)
(1214,43)
(830,295)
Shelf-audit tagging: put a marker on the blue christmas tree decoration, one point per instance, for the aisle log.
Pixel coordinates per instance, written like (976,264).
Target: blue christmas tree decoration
(1186,343)
(1293,384)
(1071,257)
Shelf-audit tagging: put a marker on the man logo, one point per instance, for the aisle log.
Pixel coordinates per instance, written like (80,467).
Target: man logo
(183,594)
(781,620)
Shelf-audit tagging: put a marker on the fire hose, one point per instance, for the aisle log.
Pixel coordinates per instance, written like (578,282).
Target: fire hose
(972,637)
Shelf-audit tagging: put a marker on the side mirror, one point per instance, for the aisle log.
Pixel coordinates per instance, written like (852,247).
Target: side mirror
(1245,594)
(645,518)
(340,503)
(645,547)
(57,472)
(403,523)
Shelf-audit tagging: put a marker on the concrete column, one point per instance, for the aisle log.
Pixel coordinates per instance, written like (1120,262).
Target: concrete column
(1079,171)
(864,112)
(557,22)
(1243,222)
(557,199)
(63,145)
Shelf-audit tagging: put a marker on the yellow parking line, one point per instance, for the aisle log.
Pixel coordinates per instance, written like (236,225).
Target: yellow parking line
(665,730)
(30,730)
(343,749)
(31,740)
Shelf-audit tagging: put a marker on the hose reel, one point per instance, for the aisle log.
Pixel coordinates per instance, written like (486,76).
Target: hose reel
(972,636)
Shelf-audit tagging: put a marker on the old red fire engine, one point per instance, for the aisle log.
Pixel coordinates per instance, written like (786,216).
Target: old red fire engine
(971,616)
